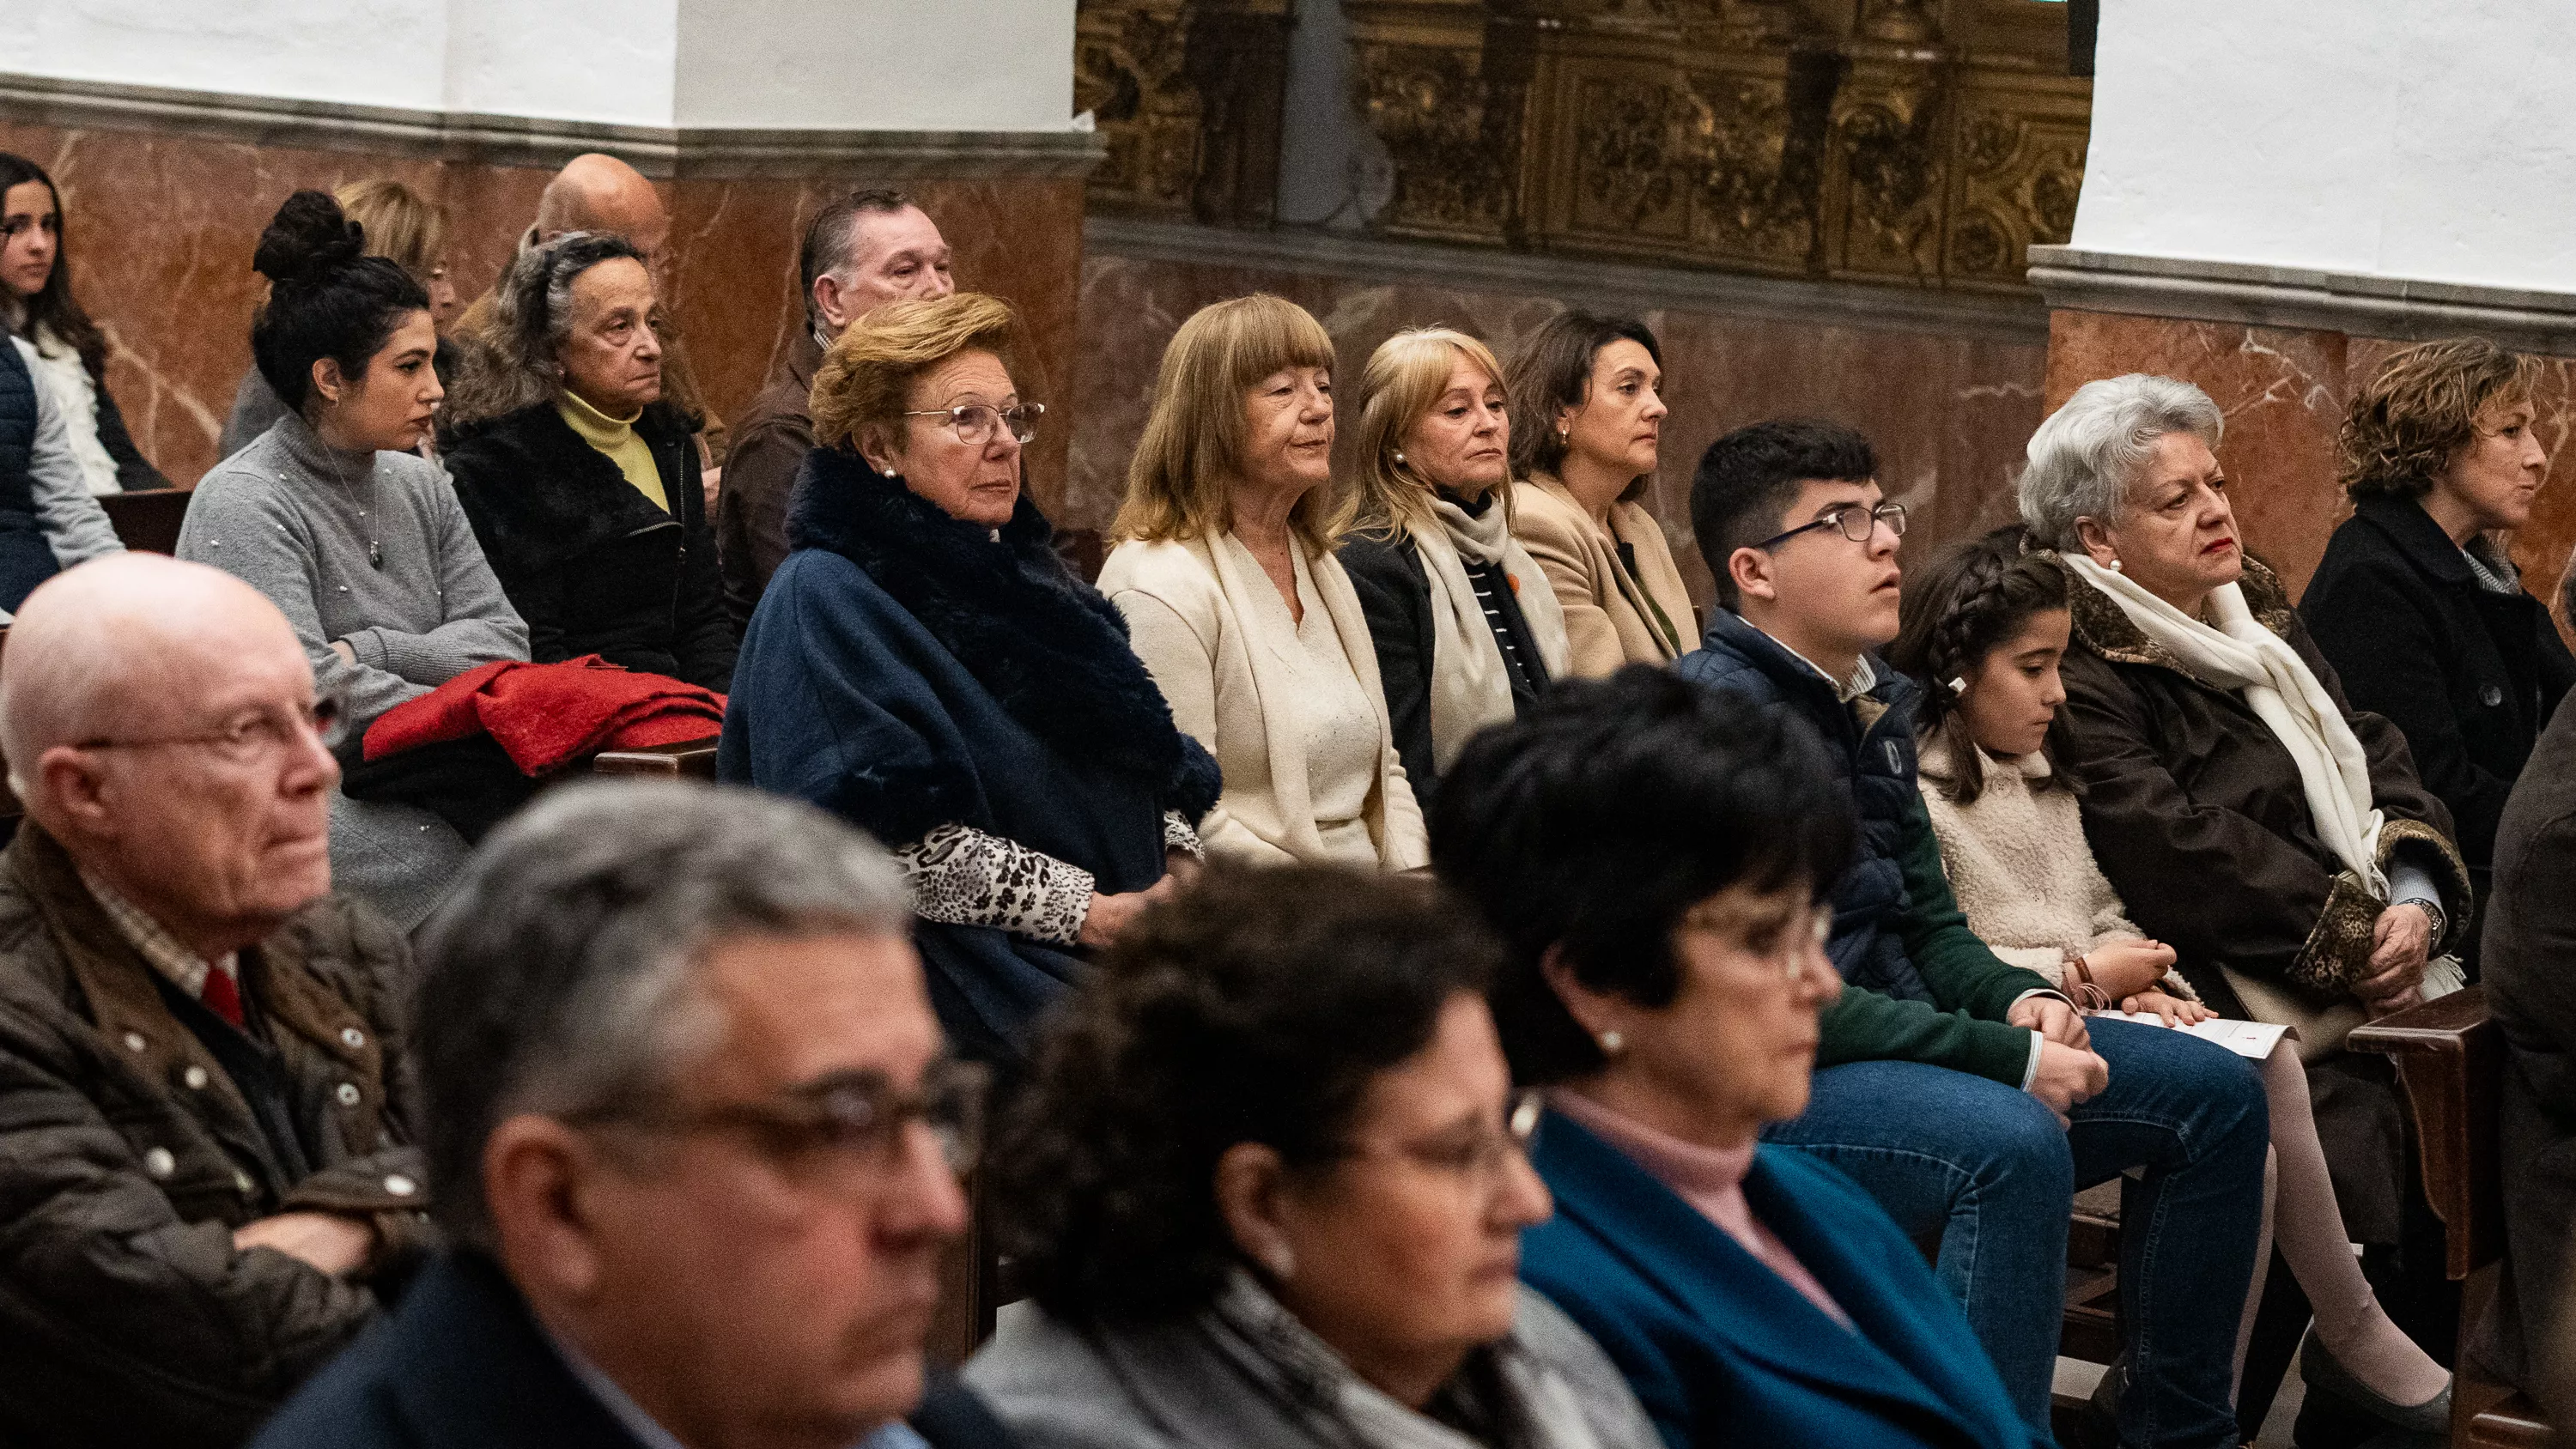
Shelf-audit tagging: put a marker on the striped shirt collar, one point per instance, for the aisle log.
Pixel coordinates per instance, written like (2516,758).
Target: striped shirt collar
(185,968)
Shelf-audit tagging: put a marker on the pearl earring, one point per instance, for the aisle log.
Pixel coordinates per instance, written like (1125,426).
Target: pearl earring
(2115,566)
(1612,1043)
(1399,455)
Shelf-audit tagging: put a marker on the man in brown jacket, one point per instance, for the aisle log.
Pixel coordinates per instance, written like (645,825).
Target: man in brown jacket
(864,250)
(203,1182)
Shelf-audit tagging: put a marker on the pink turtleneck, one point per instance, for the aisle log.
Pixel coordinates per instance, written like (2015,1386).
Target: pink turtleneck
(1710,1179)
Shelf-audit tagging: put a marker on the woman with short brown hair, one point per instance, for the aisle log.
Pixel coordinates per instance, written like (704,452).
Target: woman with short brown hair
(2417,604)
(1225,571)
(925,666)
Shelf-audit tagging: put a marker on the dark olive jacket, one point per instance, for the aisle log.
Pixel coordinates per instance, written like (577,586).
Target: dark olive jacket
(2197,815)
(2469,677)
(2530,939)
(128,1155)
(587,560)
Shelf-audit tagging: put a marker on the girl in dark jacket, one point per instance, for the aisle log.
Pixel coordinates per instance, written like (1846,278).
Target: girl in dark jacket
(582,484)
(2417,605)
(36,303)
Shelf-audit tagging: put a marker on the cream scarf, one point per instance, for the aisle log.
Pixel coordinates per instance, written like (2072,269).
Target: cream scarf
(1470,685)
(2242,656)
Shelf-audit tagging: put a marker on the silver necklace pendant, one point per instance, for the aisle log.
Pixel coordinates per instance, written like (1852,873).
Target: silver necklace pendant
(375,553)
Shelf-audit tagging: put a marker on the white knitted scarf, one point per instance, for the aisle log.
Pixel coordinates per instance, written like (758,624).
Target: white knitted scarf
(2241,656)
(1470,687)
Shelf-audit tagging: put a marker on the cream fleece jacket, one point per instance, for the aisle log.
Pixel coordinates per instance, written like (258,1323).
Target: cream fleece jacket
(2019,864)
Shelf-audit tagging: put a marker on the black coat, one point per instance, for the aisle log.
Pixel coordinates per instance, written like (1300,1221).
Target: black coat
(462,1365)
(2469,677)
(587,560)
(2530,938)
(1394,587)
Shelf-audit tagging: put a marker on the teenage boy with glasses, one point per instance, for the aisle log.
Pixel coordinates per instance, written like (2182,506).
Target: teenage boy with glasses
(1965,1095)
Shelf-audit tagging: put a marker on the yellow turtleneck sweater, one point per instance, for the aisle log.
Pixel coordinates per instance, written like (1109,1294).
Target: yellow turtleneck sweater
(616,438)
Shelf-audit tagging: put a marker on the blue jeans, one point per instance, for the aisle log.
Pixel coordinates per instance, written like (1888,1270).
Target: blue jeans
(1990,1170)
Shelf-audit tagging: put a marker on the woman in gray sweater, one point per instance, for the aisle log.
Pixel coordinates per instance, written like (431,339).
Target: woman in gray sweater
(361,544)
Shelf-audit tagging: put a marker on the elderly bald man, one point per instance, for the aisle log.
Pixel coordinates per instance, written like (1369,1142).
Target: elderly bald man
(202,1172)
(594,192)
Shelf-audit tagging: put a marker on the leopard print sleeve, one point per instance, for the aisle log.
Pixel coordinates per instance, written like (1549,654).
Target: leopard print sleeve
(1179,835)
(961,876)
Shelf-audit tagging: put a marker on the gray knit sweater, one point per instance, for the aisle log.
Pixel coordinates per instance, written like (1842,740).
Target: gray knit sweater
(293,517)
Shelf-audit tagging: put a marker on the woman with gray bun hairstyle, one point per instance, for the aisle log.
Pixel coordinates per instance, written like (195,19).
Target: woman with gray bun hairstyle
(2274,836)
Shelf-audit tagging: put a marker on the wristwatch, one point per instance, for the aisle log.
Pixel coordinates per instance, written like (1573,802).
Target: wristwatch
(2432,913)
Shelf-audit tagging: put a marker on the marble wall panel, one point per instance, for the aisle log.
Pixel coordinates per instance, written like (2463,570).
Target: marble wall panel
(161,228)
(1949,414)
(2284,392)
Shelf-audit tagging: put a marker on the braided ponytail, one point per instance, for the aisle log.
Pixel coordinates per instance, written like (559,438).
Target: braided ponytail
(1966,605)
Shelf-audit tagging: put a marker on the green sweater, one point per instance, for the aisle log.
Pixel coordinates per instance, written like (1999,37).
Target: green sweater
(1966,1030)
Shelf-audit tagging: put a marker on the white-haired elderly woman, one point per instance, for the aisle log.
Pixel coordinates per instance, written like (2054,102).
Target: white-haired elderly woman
(2276,837)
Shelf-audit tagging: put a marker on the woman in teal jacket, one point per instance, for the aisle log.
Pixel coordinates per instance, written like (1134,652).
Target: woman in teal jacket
(1654,855)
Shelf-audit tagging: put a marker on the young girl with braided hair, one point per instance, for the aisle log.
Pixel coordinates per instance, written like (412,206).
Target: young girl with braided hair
(1983,631)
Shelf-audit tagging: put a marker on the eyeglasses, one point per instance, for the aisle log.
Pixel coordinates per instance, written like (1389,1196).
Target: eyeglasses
(973,422)
(851,1120)
(1795,939)
(1479,1159)
(256,734)
(1848,518)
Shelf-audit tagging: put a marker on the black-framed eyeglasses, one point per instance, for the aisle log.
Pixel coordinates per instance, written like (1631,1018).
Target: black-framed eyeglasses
(855,1119)
(973,422)
(254,734)
(1857,524)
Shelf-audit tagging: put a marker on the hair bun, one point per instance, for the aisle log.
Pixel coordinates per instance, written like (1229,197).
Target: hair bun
(309,239)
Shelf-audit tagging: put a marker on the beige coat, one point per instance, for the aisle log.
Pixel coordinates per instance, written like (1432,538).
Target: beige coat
(1610,617)
(1186,605)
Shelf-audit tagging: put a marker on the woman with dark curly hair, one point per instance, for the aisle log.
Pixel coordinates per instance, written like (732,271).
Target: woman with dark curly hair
(2417,604)
(1268,1184)
(1657,858)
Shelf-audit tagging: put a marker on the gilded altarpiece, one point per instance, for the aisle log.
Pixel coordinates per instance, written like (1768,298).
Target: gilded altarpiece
(1921,142)
(1187,94)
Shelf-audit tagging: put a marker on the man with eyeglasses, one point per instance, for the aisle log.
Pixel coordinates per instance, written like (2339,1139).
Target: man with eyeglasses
(204,1182)
(861,251)
(1967,1096)
(696,1141)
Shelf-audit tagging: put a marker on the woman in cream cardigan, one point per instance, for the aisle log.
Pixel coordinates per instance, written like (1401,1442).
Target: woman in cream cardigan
(1225,573)
(1468,631)
(1587,425)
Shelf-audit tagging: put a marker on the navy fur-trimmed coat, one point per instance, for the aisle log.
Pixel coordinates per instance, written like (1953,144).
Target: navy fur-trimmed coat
(906,670)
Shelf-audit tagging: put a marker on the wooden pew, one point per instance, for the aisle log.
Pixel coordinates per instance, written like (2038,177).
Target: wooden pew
(2450,1055)
(687,760)
(148,522)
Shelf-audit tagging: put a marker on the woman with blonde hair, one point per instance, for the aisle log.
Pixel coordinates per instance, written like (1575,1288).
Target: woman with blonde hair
(404,228)
(926,667)
(1460,644)
(1225,572)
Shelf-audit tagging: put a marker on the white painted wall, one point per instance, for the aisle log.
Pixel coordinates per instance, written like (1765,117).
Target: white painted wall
(899,65)
(2422,139)
(908,65)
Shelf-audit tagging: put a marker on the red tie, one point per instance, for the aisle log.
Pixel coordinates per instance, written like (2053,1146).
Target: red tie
(221,995)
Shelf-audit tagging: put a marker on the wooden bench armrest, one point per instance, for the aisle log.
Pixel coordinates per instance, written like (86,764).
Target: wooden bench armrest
(689,759)
(2450,1056)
